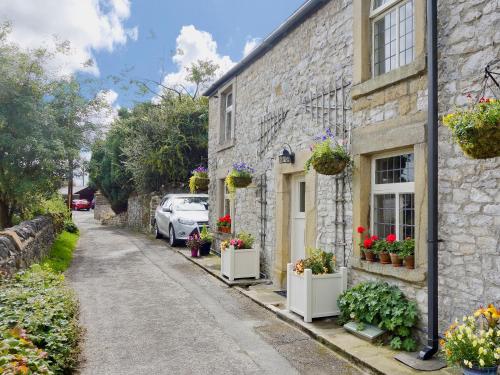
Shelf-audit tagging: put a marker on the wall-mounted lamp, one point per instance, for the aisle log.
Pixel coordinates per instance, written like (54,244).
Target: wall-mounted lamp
(286,156)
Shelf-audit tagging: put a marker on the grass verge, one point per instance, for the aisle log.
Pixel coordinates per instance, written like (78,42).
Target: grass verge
(61,253)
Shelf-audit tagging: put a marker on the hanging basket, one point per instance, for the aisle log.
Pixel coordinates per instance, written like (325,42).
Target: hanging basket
(201,183)
(484,144)
(241,181)
(328,165)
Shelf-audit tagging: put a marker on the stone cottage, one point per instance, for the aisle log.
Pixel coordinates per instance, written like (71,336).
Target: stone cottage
(359,68)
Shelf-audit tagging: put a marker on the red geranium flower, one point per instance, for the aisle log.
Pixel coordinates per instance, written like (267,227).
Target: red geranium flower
(391,238)
(368,243)
(361,229)
(374,238)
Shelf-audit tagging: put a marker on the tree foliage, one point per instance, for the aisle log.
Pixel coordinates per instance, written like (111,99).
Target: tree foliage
(42,128)
(150,147)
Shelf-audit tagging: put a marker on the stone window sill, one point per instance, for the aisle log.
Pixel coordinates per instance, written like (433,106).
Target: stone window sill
(225,146)
(418,275)
(390,78)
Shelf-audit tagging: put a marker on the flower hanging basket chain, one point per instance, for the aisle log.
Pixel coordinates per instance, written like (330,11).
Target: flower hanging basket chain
(329,157)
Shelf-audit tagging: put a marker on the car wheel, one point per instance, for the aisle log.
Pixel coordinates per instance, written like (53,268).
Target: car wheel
(157,231)
(171,237)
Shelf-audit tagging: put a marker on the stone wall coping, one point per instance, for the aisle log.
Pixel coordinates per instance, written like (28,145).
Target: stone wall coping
(416,67)
(418,275)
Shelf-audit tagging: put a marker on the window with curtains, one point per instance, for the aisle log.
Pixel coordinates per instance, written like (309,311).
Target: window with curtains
(393,31)
(393,195)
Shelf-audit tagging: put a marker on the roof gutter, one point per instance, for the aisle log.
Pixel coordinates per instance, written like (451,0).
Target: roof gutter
(291,23)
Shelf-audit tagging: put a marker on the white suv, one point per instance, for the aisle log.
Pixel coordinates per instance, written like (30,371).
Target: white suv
(178,215)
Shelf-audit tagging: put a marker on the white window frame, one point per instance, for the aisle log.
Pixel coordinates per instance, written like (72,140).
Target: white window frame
(381,12)
(395,188)
(223,136)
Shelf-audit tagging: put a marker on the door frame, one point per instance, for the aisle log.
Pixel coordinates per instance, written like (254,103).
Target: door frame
(284,173)
(295,180)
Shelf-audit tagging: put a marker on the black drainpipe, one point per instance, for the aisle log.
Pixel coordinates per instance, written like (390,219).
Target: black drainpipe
(432,170)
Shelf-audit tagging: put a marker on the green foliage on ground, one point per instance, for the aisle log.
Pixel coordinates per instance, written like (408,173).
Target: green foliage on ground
(383,305)
(61,252)
(38,312)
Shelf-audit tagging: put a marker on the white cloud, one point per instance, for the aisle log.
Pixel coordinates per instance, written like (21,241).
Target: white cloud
(250,45)
(108,112)
(193,45)
(89,25)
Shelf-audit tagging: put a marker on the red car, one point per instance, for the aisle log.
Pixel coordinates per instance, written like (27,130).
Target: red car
(80,204)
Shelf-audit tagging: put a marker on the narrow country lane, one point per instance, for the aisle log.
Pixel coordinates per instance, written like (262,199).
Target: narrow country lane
(148,310)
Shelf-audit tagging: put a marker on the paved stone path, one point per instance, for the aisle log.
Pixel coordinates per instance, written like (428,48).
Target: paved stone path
(148,310)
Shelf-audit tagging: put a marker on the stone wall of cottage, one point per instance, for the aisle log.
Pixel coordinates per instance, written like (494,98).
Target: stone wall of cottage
(315,54)
(469,190)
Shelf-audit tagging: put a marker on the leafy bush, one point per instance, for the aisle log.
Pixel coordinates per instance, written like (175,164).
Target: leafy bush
(70,226)
(18,355)
(61,253)
(319,262)
(383,305)
(38,301)
(247,240)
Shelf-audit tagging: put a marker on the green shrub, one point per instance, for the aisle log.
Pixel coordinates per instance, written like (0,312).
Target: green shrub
(70,226)
(318,261)
(247,239)
(38,301)
(18,355)
(383,305)
(61,252)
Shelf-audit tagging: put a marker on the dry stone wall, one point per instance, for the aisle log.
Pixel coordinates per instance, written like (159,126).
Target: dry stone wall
(25,244)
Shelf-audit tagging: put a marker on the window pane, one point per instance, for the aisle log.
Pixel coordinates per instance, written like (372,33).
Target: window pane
(229,100)
(302,196)
(406,216)
(406,43)
(228,125)
(384,210)
(395,169)
(384,49)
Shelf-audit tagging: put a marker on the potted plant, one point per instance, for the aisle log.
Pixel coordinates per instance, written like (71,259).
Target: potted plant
(368,243)
(477,129)
(408,252)
(194,242)
(207,239)
(314,284)
(362,255)
(395,251)
(224,224)
(475,344)
(239,177)
(199,180)
(239,259)
(382,249)
(328,157)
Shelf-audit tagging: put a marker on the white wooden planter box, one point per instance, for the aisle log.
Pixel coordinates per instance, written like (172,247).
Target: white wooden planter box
(240,264)
(314,296)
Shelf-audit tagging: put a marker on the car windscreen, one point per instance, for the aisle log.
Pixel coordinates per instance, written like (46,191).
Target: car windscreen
(190,204)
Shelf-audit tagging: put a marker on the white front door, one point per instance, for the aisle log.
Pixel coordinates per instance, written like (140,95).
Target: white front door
(298,218)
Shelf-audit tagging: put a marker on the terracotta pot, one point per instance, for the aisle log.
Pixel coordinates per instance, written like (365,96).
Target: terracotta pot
(385,258)
(370,256)
(396,260)
(410,262)
(362,255)
(225,229)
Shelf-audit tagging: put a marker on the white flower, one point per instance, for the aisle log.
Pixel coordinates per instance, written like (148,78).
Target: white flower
(481,362)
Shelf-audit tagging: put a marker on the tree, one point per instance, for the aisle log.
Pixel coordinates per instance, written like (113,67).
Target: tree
(36,145)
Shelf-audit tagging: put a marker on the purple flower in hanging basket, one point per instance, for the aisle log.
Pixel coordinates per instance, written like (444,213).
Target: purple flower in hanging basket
(243,167)
(200,169)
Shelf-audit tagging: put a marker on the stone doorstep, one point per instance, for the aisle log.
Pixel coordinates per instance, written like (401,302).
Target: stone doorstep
(376,359)
(211,264)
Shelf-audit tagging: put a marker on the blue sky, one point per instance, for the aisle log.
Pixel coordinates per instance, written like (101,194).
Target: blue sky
(142,36)
(231,24)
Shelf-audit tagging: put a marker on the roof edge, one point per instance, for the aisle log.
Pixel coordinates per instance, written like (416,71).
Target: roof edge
(290,24)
